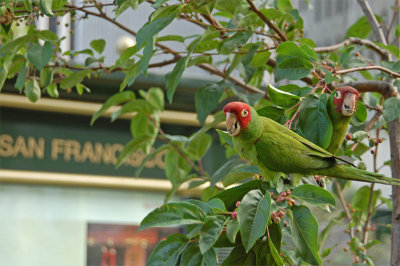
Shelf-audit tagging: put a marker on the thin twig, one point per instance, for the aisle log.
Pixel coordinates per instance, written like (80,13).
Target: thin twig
(267,21)
(376,28)
(383,69)
(382,52)
(346,210)
(395,13)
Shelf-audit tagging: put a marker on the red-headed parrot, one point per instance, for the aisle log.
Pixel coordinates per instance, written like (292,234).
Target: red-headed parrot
(341,106)
(276,149)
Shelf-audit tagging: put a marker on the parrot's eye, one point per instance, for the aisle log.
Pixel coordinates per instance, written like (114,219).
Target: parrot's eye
(338,94)
(245,113)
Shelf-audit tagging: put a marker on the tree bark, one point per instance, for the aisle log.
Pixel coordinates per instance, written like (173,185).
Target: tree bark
(394,136)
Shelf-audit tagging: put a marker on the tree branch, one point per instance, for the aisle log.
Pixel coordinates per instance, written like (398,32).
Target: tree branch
(382,87)
(376,28)
(383,69)
(267,21)
(395,13)
(210,68)
(382,52)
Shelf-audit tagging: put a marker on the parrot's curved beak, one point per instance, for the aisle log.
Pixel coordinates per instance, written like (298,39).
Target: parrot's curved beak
(349,104)
(232,124)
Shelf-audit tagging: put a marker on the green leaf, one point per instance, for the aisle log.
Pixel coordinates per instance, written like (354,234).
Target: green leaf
(176,38)
(291,49)
(45,7)
(175,213)
(141,67)
(116,99)
(74,79)
(221,172)
(238,39)
(313,195)
(207,98)
(304,231)
(146,33)
(224,137)
(32,90)
(239,256)
(167,251)
(232,228)
(172,78)
(200,60)
(141,125)
(98,45)
(273,112)
(361,112)
(232,195)
(52,90)
(20,82)
(391,109)
(28,5)
(193,257)
(275,253)
(138,105)
(314,120)
(282,98)
(46,76)
(38,55)
(260,59)
(155,96)
(292,68)
(131,147)
(199,145)
(360,29)
(284,5)
(253,216)
(217,205)
(210,231)
(359,136)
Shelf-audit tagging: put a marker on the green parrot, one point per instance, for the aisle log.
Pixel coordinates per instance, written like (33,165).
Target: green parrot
(276,149)
(341,106)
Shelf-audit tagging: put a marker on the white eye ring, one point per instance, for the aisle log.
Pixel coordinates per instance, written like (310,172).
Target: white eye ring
(244,113)
(338,94)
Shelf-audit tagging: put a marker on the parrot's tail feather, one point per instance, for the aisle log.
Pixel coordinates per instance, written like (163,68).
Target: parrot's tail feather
(350,173)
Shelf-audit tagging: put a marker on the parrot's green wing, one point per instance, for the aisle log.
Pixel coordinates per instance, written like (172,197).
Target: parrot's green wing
(280,148)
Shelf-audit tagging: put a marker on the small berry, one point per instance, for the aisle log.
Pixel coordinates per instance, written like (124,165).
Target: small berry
(357,54)
(372,152)
(273,215)
(289,203)
(380,140)
(348,205)
(288,192)
(358,230)
(356,260)
(373,227)
(346,231)
(346,249)
(376,143)
(280,214)
(285,224)
(271,193)
(234,215)
(280,198)
(283,194)
(277,220)
(353,210)
(323,63)
(349,136)
(224,230)
(237,203)
(362,248)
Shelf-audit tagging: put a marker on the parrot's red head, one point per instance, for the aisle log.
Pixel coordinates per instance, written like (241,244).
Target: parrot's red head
(345,100)
(237,115)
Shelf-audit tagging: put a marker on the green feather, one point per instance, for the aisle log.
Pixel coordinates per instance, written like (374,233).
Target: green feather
(276,149)
(340,125)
